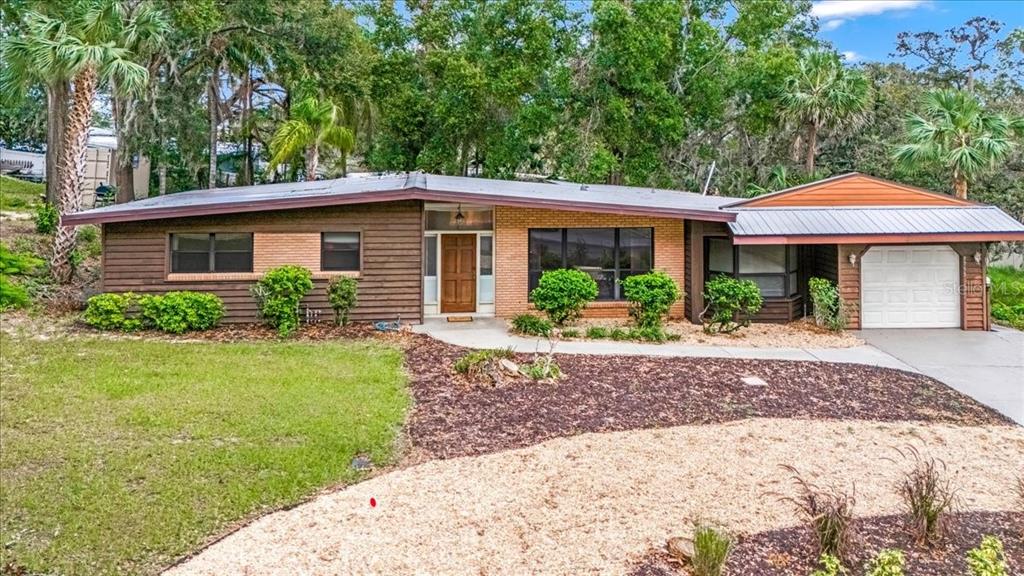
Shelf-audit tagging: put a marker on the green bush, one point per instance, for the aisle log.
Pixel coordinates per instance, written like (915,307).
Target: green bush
(728,299)
(619,334)
(569,333)
(1007,304)
(88,241)
(472,363)
(886,563)
(649,334)
(179,312)
(830,566)
(342,293)
(531,325)
(988,558)
(278,295)
(597,332)
(711,549)
(828,306)
(1009,314)
(563,294)
(47,218)
(113,312)
(650,297)
(12,264)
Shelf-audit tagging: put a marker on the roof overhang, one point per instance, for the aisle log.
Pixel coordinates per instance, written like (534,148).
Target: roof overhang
(945,237)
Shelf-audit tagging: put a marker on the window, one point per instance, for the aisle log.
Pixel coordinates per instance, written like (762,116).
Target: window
(339,251)
(486,255)
(773,268)
(472,218)
(220,252)
(609,255)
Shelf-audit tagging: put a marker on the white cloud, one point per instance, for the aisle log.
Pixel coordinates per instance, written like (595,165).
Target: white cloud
(852,8)
(851,56)
(830,25)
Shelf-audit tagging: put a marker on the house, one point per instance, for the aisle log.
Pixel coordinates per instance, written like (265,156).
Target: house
(424,245)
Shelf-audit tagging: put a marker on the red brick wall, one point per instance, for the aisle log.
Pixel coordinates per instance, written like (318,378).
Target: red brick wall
(511,247)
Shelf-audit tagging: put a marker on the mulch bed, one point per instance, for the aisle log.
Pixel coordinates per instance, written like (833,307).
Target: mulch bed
(453,417)
(791,552)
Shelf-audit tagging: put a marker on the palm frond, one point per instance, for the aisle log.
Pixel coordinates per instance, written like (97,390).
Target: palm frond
(289,141)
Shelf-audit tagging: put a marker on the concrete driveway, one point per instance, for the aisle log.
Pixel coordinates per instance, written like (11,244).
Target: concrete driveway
(987,366)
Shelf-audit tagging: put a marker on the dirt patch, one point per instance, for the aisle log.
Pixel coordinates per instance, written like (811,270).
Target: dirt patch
(452,417)
(595,503)
(790,551)
(800,334)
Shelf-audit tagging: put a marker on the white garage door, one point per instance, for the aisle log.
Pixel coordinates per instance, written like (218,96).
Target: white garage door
(910,287)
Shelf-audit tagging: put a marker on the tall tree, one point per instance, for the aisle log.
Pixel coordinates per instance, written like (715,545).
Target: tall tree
(824,95)
(88,49)
(315,127)
(955,132)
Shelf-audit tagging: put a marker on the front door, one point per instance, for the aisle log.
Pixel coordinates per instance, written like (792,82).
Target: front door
(458,273)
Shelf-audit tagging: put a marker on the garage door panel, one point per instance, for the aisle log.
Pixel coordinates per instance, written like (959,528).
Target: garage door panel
(910,287)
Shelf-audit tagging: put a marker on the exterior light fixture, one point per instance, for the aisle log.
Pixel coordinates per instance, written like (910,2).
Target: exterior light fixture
(460,218)
(853,259)
(977,257)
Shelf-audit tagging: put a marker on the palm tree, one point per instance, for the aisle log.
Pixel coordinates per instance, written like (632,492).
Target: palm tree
(315,126)
(86,49)
(956,133)
(824,94)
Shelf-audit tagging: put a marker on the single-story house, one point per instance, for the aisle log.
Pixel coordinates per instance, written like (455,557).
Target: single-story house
(426,246)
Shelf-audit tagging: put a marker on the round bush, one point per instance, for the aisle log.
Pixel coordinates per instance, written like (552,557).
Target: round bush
(341,293)
(179,312)
(278,295)
(563,294)
(728,298)
(650,297)
(112,312)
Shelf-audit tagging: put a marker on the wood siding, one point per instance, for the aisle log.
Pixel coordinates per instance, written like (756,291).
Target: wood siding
(696,232)
(136,257)
(855,190)
(781,310)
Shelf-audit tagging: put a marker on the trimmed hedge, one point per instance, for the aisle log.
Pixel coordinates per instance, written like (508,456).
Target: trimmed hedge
(174,312)
(563,294)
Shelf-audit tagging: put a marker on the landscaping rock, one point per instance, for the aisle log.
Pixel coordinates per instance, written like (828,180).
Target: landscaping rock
(680,548)
(509,366)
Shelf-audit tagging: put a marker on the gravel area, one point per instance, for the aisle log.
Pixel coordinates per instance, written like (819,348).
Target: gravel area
(595,503)
(791,552)
(453,417)
(800,334)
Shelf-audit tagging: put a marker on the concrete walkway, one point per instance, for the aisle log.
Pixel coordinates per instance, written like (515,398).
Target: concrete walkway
(987,366)
(492,333)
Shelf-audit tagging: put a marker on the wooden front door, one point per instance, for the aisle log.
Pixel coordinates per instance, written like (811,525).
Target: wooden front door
(458,273)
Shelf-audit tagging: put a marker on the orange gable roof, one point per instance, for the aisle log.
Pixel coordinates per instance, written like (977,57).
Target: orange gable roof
(852,190)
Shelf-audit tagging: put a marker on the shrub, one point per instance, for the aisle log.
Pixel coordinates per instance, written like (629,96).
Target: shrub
(342,293)
(618,334)
(1009,314)
(597,332)
(11,264)
(471,363)
(711,549)
(886,563)
(830,566)
(828,306)
(179,312)
(278,295)
(88,241)
(47,218)
(928,497)
(569,333)
(728,298)
(988,558)
(649,334)
(531,325)
(830,513)
(542,368)
(563,294)
(113,312)
(650,297)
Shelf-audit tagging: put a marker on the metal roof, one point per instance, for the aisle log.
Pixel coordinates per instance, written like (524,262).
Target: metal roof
(415,186)
(899,221)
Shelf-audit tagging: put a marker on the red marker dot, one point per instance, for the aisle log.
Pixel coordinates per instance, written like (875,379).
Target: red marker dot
(373,502)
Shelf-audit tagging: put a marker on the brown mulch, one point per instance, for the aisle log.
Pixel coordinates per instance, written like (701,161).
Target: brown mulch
(791,551)
(453,417)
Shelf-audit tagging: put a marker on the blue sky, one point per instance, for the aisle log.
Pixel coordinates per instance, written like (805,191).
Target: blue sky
(865,30)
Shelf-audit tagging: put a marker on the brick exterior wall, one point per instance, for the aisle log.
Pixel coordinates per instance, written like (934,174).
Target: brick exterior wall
(511,251)
(273,249)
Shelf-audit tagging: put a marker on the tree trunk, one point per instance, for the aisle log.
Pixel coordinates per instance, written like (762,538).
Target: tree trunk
(161,175)
(812,143)
(57,96)
(312,161)
(247,167)
(125,178)
(344,164)
(960,186)
(212,103)
(124,175)
(72,170)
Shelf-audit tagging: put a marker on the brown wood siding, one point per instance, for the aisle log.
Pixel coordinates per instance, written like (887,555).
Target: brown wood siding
(780,310)
(135,257)
(974,313)
(849,282)
(856,190)
(696,231)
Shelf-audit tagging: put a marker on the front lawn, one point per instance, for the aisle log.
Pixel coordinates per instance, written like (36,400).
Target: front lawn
(18,195)
(1007,303)
(120,456)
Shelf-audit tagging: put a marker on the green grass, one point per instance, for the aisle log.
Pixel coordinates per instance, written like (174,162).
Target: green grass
(120,456)
(19,195)
(1007,295)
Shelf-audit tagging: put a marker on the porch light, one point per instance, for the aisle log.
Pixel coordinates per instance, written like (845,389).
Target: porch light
(853,259)
(460,218)
(977,257)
